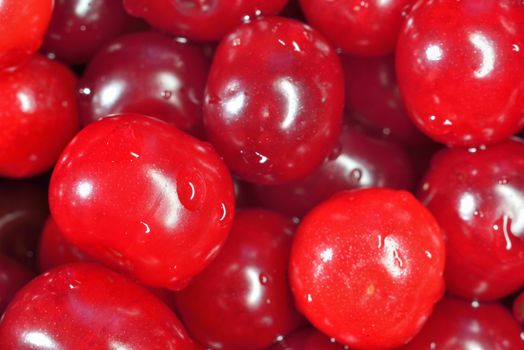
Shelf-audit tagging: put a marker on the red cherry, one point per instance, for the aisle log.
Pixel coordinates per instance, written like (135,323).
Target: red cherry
(477,196)
(13,276)
(23,25)
(242,299)
(518,308)
(169,84)
(86,306)
(457,325)
(274,100)
(357,161)
(359,27)
(142,196)
(366,267)
(459,66)
(38,116)
(307,339)
(202,20)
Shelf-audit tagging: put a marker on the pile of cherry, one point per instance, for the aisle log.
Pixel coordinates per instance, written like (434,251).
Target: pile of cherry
(261,174)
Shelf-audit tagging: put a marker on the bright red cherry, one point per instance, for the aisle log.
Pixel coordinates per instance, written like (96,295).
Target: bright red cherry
(143,197)
(201,20)
(13,276)
(86,306)
(307,339)
(274,100)
(477,196)
(358,160)
(367,267)
(38,116)
(242,299)
(23,25)
(460,325)
(368,28)
(147,73)
(459,67)
(518,308)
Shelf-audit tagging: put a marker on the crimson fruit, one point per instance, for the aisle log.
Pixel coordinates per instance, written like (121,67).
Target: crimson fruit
(13,276)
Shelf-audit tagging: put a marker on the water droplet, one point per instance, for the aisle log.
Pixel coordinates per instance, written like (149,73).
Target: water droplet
(355,175)
(167,94)
(309,298)
(251,157)
(335,152)
(504,224)
(440,125)
(191,188)
(503,181)
(263,278)
(475,304)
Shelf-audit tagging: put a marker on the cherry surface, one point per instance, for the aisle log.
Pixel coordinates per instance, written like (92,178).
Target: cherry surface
(79,28)
(242,300)
(274,100)
(143,197)
(13,276)
(307,339)
(148,73)
(23,25)
(476,195)
(518,308)
(450,55)
(367,267)
(202,20)
(38,116)
(358,160)
(86,306)
(461,325)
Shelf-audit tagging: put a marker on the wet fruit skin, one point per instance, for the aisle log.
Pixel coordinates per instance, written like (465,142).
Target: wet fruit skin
(459,325)
(476,195)
(207,20)
(449,56)
(86,306)
(367,266)
(242,299)
(13,276)
(23,25)
(518,308)
(36,98)
(143,197)
(358,160)
(274,100)
(307,339)
(368,28)
(169,84)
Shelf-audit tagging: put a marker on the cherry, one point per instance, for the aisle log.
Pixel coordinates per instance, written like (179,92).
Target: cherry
(307,339)
(242,299)
(366,28)
(358,160)
(23,25)
(457,324)
(13,276)
(201,20)
(274,100)
(518,308)
(169,83)
(141,196)
(476,195)
(366,267)
(86,306)
(450,56)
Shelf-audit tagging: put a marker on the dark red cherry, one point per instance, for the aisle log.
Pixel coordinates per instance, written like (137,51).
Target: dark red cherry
(368,28)
(518,308)
(462,325)
(274,100)
(358,160)
(367,267)
(459,66)
(242,299)
(307,339)
(201,20)
(13,276)
(147,73)
(23,25)
(86,306)
(143,197)
(477,196)
(38,116)
(79,28)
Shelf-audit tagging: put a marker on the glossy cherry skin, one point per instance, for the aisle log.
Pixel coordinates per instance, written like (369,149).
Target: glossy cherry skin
(201,20)
(274,100)
(78,29)
(307,339)
(446,75)
(518,308)
(13,276)
(38,116)
(358,160)
(143,197)
(23,25)
(86,306)
(367,267)
(368,28)
(476,195)
(169,84)
(461,325)
(242,299)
